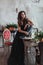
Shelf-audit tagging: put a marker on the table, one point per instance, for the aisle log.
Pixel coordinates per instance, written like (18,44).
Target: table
(30,52)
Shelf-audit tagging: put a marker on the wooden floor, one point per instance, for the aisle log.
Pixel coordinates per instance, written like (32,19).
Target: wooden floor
(3,57)
(3,60)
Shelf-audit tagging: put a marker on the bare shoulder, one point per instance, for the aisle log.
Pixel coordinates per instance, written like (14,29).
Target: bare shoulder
(29,21)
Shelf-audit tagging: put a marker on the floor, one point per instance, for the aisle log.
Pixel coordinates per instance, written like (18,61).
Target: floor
(3,60)
(4,54)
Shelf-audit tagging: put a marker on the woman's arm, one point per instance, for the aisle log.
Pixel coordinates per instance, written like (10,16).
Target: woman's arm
(29,23)
(19,29)
(25,27)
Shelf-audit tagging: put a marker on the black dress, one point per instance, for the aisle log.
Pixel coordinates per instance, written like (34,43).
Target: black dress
(17,51)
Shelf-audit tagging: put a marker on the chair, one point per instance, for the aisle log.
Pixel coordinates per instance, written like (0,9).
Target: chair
(7,43)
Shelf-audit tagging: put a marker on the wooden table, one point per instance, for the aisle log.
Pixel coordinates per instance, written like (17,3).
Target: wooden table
(30,52)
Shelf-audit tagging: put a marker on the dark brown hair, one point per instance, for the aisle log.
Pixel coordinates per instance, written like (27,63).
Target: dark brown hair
(26,20)
(20,18)
(19,15)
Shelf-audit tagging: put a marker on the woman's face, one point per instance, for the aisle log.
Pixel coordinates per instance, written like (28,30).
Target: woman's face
(23,15)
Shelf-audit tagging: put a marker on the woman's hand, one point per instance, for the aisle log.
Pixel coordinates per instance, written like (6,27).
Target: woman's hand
(26,33)
(21,31)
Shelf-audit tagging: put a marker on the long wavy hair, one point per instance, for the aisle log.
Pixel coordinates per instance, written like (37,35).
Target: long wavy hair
(26,20)
(20,17)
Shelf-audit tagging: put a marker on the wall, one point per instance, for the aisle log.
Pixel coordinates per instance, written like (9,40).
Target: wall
(34,11)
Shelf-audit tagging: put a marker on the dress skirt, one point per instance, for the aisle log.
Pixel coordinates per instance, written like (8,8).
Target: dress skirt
(17,51)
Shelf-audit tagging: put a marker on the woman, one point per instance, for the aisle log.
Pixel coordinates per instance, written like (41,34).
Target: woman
(17,50)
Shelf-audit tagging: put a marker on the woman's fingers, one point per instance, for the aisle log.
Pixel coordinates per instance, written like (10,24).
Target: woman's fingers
(26,33)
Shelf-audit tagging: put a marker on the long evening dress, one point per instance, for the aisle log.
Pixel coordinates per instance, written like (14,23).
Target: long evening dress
(17,51)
